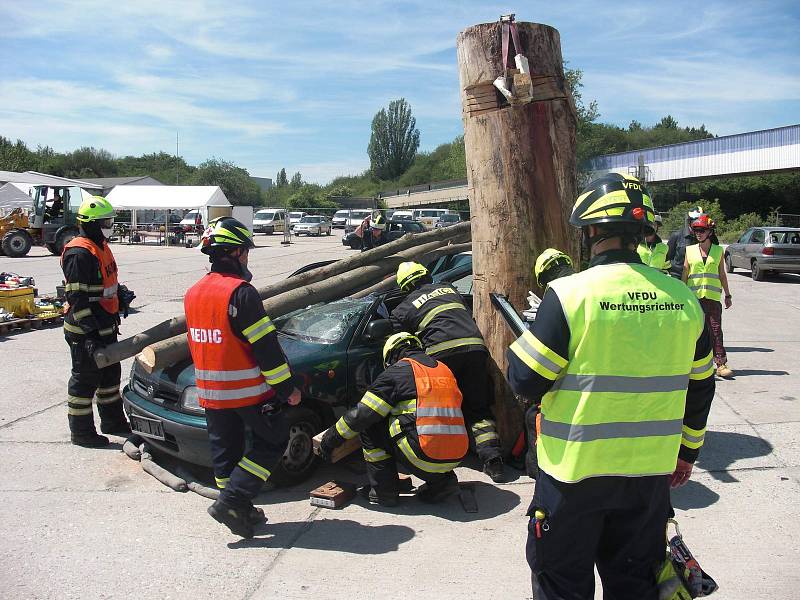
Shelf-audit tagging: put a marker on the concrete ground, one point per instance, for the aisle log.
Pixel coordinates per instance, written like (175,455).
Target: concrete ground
(81,523)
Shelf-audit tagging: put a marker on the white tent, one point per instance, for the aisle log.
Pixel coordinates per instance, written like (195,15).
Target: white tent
(12,197)
(166,197)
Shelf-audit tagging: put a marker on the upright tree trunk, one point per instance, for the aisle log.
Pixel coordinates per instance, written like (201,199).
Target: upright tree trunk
(521,174)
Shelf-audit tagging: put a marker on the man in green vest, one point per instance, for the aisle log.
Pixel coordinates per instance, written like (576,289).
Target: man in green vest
(622,364)
(652,250)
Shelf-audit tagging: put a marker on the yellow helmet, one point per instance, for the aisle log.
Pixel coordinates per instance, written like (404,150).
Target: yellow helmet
(615,199)
(408,273)
(397,341)
(547,259)
(95,208)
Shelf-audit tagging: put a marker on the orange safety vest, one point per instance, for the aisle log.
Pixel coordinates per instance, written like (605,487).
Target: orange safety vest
(440,422)
(225,369)
(106,293)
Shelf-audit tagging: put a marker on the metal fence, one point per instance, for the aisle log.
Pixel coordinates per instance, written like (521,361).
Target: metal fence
(788,220)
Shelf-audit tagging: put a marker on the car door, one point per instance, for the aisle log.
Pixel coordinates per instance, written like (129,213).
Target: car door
(736,250)
(280,221)
(753,247)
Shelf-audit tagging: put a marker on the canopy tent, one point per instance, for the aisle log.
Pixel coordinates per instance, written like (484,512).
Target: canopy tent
(35,178)
(12,197)
(167,197)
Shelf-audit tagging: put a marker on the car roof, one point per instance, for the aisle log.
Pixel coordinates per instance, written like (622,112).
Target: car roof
(778,228)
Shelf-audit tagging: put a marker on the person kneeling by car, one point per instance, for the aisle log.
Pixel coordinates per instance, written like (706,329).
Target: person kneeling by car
(241,372)
(410,414)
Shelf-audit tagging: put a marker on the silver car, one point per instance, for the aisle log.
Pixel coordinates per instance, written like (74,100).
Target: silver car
(312,225)
(765,250)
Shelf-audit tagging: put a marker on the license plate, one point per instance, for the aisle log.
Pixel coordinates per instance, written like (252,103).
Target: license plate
(151,428)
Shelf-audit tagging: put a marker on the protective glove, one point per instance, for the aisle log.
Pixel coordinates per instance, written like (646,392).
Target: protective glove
(92,345)
(330,441)
(125,296)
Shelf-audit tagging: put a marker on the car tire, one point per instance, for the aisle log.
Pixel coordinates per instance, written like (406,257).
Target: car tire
(329,232)
(270,230)
(756,272)
(16,243)
(299,460)
(728,263)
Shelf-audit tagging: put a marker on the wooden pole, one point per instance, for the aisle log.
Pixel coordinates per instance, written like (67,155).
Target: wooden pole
(522,181)
(131,346)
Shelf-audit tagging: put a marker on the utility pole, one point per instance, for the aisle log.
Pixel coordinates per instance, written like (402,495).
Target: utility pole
(522,179)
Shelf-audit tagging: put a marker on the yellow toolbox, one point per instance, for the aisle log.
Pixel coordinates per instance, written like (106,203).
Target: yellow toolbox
(18,301)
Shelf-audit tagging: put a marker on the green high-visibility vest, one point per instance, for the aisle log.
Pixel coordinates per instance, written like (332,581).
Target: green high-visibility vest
(657,257)
(617,407)
(703,277)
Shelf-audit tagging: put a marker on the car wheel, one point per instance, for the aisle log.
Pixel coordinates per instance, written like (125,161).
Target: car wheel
(756,272)
(355,244)
(16,243)
(728,263)
(329,231)
(270,230)
(299,460)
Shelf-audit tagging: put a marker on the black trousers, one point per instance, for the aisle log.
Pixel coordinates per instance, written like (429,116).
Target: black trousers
(240,471)
(86,381)
(382,456)
(616,523)
(469,369)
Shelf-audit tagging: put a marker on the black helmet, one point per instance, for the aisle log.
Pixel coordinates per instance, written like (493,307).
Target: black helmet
(615,199)
(226,233)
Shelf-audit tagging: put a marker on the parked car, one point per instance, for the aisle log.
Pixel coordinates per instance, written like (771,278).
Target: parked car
(448,219)
(313,225)
(294,218)
(765,250)
(394,230)
(192,221)
(429,216)
(334,350)
(339,220)
(355,219)
(402,215)
(269,221)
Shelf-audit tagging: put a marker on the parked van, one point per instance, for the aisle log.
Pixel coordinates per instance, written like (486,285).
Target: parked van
(269,220)
(340,219)
(402,215)
(355,219)
(429,216)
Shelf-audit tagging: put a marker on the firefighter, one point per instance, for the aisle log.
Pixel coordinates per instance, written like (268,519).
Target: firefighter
(437,314)
(678,240)
(243,378)
(704,273)
(621,359)
(652,250)
(410,414)
(91,322)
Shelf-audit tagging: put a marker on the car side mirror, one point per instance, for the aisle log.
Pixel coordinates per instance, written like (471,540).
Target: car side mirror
(378,330)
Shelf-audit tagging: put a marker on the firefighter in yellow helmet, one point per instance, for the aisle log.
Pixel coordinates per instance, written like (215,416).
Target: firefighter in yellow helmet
(621,361)
(91,322)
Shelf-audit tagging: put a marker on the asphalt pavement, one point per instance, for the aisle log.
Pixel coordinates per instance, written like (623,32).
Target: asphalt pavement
(80,523)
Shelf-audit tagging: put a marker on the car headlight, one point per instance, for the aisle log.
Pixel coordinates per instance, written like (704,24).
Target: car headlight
(191,401)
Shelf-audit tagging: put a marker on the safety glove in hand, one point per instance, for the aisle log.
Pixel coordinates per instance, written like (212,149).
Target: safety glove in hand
(330,441)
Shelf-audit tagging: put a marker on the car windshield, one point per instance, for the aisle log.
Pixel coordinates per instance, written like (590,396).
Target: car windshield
(295,215)
(450,218)
(323,323)
(340,214)
(264,216)
(311,220)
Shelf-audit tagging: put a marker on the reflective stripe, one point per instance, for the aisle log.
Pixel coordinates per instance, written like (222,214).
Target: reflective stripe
(703,276)
(254,468)
(76,287)
(237,394)
(421,464)
(485,423)
(394,428)
(405,407)
(258,330)
(106,331)
(377,404)
(343,429)
(439,411)
(605,431)
(73,329)
(375,454)
(277,375)
(106,390)
(79,401)
(703,368)
(108,399)
(692,438)
(619,383)
(110,292)
(79,314)
(537,356)
(435,311)
(441,347)
(486,437)
(222,482)
(441,430)
(79,412)
(239,375)
(712,288)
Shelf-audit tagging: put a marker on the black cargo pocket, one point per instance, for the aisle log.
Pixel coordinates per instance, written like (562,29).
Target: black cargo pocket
(77,354)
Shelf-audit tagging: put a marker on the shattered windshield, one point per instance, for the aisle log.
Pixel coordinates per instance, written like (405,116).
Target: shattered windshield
(323,323)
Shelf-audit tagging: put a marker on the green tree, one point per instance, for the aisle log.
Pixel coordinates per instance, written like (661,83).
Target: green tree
(394,140)
(16,156)
(89,162)
(297,181)
(235,182)
(280,179)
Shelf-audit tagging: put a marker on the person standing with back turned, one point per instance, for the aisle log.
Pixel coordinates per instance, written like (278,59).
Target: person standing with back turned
(621,360)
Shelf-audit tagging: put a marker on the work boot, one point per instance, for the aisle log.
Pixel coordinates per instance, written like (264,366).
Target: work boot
(237,520)
(724,371)
(382,498)
(89,439)
(439,489)
(116,427)
(495,469)
(257,516)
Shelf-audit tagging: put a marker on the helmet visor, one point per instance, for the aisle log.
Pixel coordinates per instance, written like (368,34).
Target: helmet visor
(106,223)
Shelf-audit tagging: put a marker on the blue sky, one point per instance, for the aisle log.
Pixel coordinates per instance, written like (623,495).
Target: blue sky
(278,84)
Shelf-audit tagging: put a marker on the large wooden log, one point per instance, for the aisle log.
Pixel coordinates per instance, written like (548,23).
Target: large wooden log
(522,180)
(131,346)
(171,350)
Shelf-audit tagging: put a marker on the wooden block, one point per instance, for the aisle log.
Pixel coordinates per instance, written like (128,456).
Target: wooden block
(491,103)
(333,494)
(348,447)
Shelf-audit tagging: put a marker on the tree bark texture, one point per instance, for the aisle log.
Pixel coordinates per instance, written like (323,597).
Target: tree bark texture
(131,346)
(522,179)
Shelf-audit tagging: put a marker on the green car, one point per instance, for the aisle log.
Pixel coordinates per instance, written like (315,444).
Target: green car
(333,348)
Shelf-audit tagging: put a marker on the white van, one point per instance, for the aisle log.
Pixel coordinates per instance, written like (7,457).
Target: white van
(355,219)
(340,219)
(269,220)
(402,215)
(429,216)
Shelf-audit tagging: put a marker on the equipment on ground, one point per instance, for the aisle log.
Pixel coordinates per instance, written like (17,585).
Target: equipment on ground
(681,577)
(333,494)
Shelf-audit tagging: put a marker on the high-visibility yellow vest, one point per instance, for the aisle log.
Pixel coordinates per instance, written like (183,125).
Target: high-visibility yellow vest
(704,276)
(655,257)
(617,406)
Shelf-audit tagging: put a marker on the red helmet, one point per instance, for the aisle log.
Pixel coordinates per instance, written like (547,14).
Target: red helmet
(703,222)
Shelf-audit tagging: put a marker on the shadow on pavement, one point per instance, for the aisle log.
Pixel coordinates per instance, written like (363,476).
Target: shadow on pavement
(335,535)
(748,372)
(723,448)
(747,349)
(693,495)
